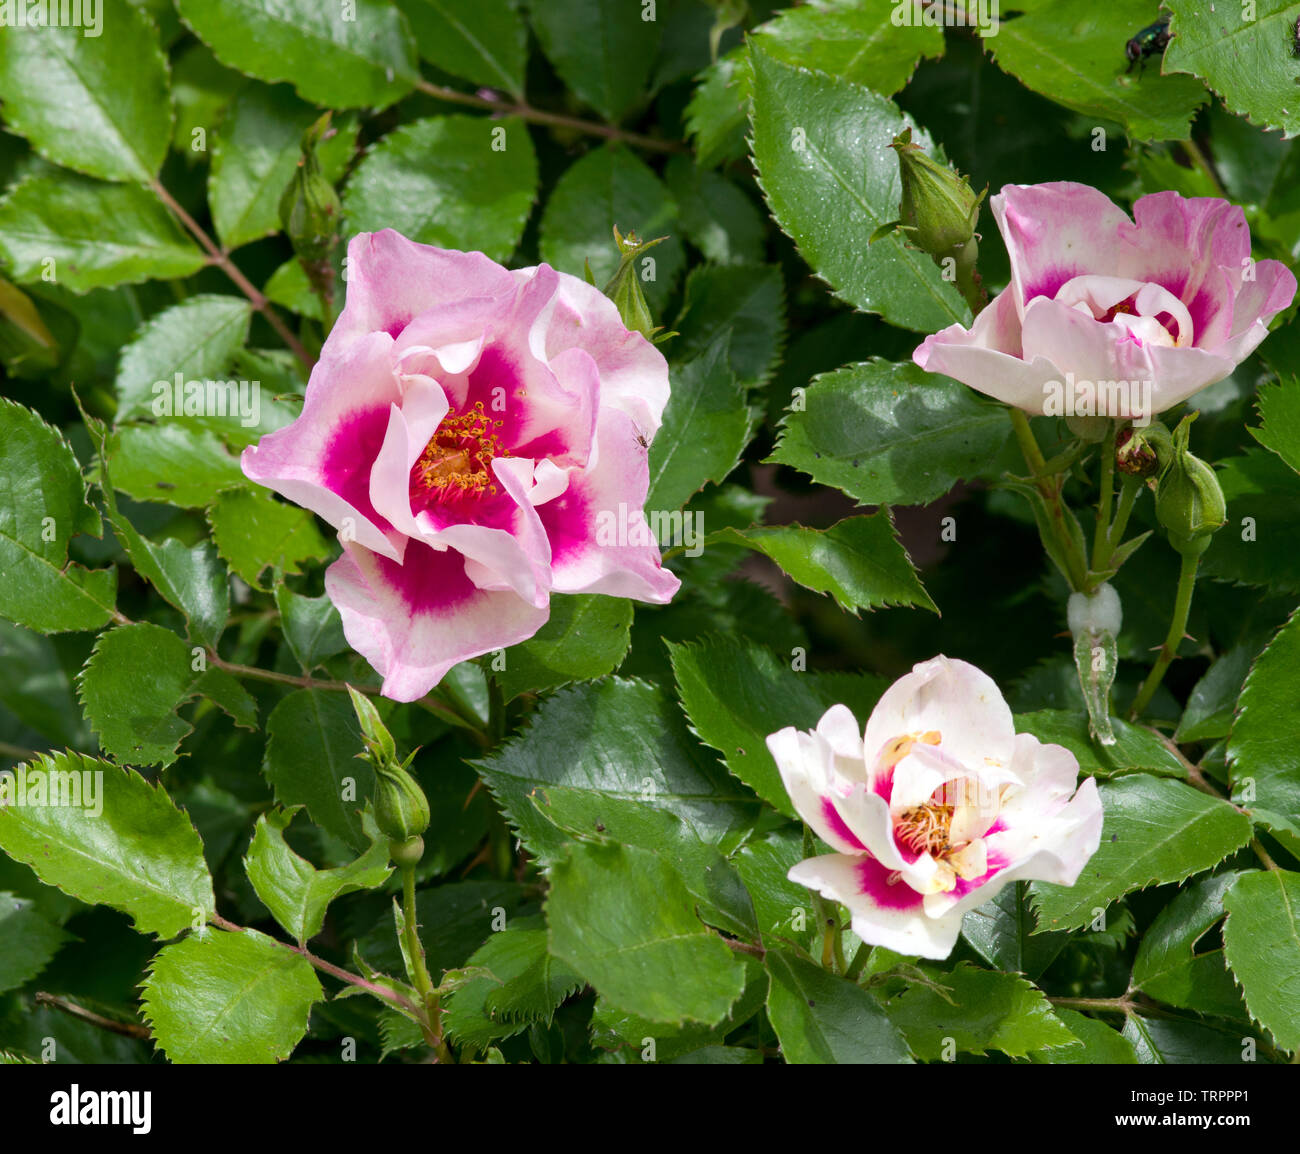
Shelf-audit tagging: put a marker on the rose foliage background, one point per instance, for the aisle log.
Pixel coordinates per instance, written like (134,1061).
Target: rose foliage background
(609,836)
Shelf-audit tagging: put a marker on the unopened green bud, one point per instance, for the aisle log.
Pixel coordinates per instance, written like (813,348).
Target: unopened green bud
(939,208)
(1189,499)
(1140,452)
(310,212)
(624,287)
(401,809)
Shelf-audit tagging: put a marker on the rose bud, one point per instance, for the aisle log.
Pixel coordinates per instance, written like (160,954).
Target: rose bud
(1138,451)
(1189,499)
(939,209)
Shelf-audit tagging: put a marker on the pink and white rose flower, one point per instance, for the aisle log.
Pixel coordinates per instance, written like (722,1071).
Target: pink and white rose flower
(1170,300)
(465,430)
(936,808)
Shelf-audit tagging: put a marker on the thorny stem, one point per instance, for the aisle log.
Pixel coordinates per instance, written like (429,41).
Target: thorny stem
(1177,627)
(390,996)
(527,112)
(126,1029)
(222,260)
(431,1020)
(434,705)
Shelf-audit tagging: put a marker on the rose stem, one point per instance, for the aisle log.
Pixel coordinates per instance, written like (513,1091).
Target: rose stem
(859,963)
(1177,627)
(552,119)
(222,261)
(325,967)
(1128,492)
(432,1026)
(1051,494)
(1101,534)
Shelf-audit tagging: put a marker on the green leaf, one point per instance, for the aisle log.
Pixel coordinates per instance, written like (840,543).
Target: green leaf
(514,960)
(850,41)
(623,919)
(365,62)
(1261,757)
(85,234)
(1155,830)
(602,51)
(294,890)
(782,908)
(460,182)
(35,687)
(128,846)
(1097,1044)
(1072,51)
(607,187)
(1246,61)
(485,41)
(813,137)
(859,561)
(137,678)
(616,754)
(97,103)
(1167,967)
(987,1011)
(195,340)
(843,39)
(735,693)
(312,626)
(42,507)
(1001,931)
(1174,1041)
(1208,713)
(535,992)
(585,637)
(311,759)
(623,1036)
(1255,547)
(191,578)
(1261,939)
(254,155)
(716,216)
(1135,750)
(219,997)
(1279,408)
(706,426)
(30,941)
(821,1018)
(254,532)
(172,463)
(747,300)
(715,118)
(891,434)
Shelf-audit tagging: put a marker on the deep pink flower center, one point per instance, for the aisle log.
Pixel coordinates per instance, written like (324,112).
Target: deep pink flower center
(457,462)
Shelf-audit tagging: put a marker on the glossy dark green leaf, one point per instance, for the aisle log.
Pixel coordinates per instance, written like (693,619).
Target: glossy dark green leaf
(890,434)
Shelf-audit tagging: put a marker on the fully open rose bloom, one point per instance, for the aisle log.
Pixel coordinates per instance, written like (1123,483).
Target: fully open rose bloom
(936,809)
(469,430)
(1166,303)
